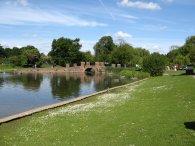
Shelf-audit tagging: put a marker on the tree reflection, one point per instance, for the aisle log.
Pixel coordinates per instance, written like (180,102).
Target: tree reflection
(65,85)
(1,80)
(104,81)
(30,81)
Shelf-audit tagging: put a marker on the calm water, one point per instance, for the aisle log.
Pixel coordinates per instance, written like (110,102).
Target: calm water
(21,92)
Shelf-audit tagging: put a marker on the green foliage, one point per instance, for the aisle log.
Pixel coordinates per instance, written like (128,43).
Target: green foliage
(65,50)
(26,56)
(6,66)
(115,70)
(134,74)
(2,52)
(87,57)
(154,64)
(183,55)
(192,57)
(103,49)
(123,54)
(18,60)
(128,72)
(139,55)
(31,54)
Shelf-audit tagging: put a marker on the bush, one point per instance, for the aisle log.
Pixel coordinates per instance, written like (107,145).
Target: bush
(154,64)
(117,70)
(134,74)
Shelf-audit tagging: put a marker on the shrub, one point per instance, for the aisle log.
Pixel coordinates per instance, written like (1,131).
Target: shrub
(154,64)
(134,74)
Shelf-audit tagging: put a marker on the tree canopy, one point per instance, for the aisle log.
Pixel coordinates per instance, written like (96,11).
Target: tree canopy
(26,56)
(103,49)
(65,50)
(123,54)
(183,55)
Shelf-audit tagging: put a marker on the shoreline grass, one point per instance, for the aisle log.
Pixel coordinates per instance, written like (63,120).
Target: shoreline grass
(149,113)
(7,68)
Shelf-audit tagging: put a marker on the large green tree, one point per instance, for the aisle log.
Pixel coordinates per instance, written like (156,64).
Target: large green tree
(103,49)
(183,55)
(2,52)
(25,56)
(123,54)
(31,56)
(65,50)
(139,55)
(87,57)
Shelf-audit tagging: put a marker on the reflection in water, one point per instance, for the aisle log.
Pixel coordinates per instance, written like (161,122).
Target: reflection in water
(21,92)
(1,82)
(30,81)
(64,85)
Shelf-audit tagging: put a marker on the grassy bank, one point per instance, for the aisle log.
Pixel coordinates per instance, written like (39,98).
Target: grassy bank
(128,72)
(153,112)
(7,68)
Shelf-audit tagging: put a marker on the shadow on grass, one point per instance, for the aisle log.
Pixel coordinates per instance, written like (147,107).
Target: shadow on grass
(190,125)
(183,74)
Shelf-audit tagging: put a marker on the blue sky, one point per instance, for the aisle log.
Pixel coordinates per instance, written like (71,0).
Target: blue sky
(152,24)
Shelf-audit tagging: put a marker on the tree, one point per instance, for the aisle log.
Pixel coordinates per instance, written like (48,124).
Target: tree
(139,55)
(154,64)
(2,52)
(31,55)
(172,55)
(103,49)
(18,60)
(87,57)
(123,54)
(190,40)
(8,52)
(65,50)
(192,57)
(16,51)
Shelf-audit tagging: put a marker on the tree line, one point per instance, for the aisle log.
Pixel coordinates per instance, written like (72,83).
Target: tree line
(183,55)
(66,50)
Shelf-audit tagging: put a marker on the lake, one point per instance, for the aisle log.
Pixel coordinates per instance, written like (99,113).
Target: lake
(22,92)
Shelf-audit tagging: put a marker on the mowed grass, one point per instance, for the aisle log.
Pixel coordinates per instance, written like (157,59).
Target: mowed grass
(151,113)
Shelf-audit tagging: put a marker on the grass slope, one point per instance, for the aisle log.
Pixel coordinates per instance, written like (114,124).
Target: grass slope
(149,113)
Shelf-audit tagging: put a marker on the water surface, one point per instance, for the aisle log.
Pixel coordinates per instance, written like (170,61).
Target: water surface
(21,92)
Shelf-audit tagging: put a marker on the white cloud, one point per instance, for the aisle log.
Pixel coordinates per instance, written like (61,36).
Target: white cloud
(87,45)
(156,48)
(23,2)
(17,15)
(126,16)
(122,35)
(140,4)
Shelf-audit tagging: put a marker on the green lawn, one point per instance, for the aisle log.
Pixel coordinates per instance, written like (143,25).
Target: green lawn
(151,113)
